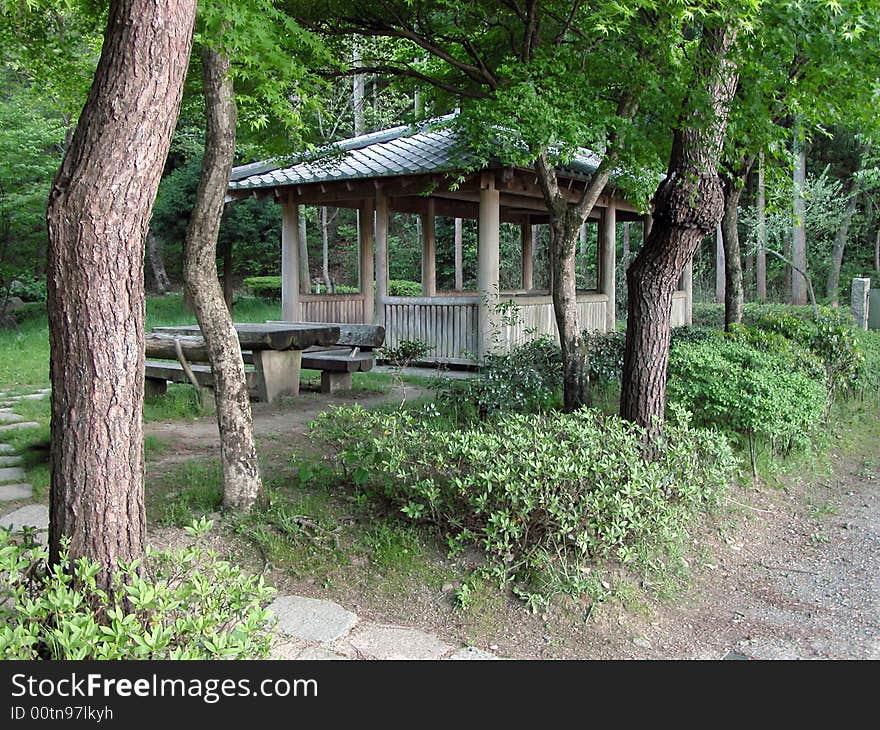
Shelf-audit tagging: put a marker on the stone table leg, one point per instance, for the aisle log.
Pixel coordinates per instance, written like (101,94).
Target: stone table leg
(277,373)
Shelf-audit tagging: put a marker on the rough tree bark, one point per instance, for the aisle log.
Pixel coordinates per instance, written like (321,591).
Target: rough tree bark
(734,295)
(98,212)
(242,486)
(687,206)
(157,263)
(832,283)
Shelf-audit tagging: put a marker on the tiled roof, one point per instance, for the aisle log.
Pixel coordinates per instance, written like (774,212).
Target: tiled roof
(428,148)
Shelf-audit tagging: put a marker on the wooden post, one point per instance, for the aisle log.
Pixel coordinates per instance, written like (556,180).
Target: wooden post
(528,262)
(720,274)
(488,259)
(608,263)
(365,233)
(289,261)
(381,245)
(686,284)
(459,273)
(429,252)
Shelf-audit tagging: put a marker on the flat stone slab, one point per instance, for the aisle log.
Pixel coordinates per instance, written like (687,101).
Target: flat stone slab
(377,641)
(312,619)
(10,417)
(32,515)
(471,653)
(18,426)
(11,474)
(11,492)
(320,654)
(286,648)
(7,449)
(10,460)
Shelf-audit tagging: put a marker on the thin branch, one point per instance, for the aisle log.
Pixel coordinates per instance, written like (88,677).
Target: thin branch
(801,272)
(565,27)
(408,73)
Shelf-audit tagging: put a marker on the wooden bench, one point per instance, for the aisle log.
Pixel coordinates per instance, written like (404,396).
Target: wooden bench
(274,350)
(351,354)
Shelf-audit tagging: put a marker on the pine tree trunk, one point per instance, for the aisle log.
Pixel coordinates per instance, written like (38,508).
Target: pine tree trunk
(157,263)
(832,284)
(242,486)
(761,235)
(98,212)
(688,204)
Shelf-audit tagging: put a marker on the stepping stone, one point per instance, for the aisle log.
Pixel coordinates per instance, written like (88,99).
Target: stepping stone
(10,417)
(471,653)
(10,460)
(397,642)
(7,449)
(11,492)
(33,515)
(11,474)
(312,619)
(319,654)
(286,648)
(18,426)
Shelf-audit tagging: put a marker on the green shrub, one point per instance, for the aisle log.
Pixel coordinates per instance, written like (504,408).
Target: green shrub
(265,287)
(28,288)
(728,383)
(405,354)
(404,288)
(524,380)
(192,606)
(605,353)
(867,377)
(544,497)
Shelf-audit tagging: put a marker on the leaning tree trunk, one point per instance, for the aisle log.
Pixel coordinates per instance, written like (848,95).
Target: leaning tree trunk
(832,283)
(157,263)
(242,486)
(687,206)
(98,212)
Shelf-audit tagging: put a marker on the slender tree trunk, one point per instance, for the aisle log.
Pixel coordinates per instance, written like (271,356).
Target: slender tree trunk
(98,212)
(799,229)
(459,274)
(832,284)
(242,486)
(625,243)
(357,89)
(688,204)
(761,236)
(734,294)
(720,266)
(325,249)
(157,263)
(877,251)
(305,276)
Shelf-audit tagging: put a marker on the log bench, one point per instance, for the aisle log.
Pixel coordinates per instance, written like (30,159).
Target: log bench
(274,350)
(351,354)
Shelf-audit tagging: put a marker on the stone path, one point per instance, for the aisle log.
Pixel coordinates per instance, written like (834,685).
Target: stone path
(13,487)
(310,628)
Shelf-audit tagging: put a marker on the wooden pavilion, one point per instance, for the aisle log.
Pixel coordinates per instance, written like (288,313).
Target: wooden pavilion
(418,170)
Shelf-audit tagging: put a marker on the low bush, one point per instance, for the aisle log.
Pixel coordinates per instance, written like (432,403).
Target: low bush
(729,383)
(544,496)
(404,288)
(526,379)
(190,605)
(265,287)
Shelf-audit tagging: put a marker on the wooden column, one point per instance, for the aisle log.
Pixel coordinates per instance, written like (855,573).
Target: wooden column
(289,261)
(459,273)
(608,263)
(381,244)
(488,263)
(429,252)
(365,234)
(720,274)
(528,260)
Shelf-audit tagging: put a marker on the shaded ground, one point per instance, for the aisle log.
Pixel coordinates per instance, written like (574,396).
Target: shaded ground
(779,573)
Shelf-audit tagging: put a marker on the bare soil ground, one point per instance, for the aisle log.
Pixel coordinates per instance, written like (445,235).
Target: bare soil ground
(779,573)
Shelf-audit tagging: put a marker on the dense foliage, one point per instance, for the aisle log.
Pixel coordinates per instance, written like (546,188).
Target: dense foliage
(185,605)
(543,496)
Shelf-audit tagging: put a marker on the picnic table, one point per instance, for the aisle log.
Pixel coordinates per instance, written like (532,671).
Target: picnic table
(276,350)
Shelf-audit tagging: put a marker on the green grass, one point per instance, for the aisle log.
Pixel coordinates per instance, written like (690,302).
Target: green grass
(190,490)
(181,402)
(24,355)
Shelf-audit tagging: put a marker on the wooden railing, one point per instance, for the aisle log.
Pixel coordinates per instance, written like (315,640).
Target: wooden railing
(536,316)
(343,308)
(447,325)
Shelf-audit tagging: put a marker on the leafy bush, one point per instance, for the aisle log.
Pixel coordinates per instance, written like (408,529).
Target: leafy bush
(404,288)
(543,496)
(605,353)
(192,606)
(405,354)
(867,378)
(524,380)
(266,287)
(728,383)
(28,288)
